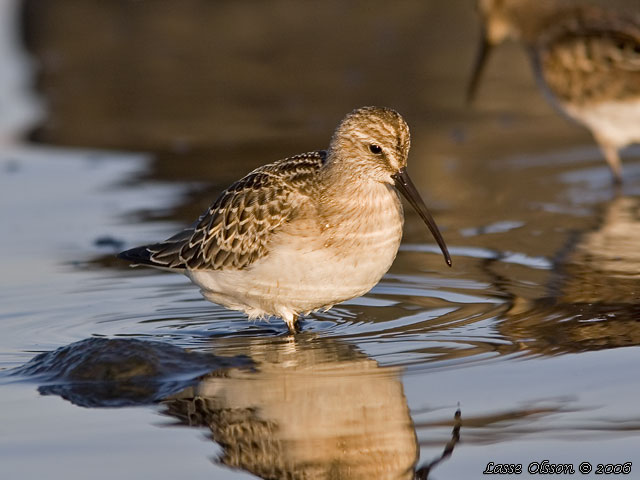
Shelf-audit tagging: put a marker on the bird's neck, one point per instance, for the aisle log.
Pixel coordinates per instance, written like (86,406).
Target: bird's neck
(350,194)
(340,176)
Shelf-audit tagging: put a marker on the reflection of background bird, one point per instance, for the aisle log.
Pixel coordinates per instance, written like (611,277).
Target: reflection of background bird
(604,266)
(305,232)
(586,59)
(312,408)
(596,299)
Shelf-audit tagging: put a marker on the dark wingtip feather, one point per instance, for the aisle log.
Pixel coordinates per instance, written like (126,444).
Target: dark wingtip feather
(159,255)
(138,255)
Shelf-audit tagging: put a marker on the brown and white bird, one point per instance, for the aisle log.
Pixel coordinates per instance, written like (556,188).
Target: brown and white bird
(306,232)
(586,60)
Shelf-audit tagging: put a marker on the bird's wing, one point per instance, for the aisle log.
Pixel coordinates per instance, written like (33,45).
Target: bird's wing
(593,55)
(235,231)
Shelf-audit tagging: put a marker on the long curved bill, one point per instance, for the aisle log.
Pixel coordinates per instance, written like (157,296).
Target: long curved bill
(478,67)
(408,190)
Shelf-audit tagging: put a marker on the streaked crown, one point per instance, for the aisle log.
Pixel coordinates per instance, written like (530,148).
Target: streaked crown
(373,140)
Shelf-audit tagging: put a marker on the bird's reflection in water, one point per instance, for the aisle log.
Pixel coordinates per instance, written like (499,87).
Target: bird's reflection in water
(594,301)
(312,408)
(604,266)
(284,407)
(423,472)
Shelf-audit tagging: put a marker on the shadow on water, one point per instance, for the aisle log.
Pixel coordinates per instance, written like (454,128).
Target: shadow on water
(101,372)
(284,407)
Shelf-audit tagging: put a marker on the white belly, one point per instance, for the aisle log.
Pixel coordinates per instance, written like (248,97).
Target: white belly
(616,122)
(312,266)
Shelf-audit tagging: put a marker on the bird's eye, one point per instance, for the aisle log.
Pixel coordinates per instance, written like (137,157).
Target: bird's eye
(376,149)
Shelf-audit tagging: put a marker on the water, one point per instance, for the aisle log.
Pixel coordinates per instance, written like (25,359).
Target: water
(533,334)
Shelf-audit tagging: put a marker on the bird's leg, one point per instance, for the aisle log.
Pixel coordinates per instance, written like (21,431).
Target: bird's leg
(612,156)
(296,324)
(292,323)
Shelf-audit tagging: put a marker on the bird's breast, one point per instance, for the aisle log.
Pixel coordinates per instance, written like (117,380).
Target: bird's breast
(363,224)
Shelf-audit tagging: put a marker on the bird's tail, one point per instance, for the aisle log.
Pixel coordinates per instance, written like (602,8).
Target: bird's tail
(160,255)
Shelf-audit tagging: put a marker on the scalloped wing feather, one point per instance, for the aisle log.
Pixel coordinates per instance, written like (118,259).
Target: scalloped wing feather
(236,230)
(593,56)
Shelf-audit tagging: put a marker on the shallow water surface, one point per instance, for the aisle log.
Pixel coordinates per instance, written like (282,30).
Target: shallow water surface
(524,351)
(522,342)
